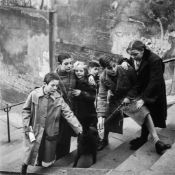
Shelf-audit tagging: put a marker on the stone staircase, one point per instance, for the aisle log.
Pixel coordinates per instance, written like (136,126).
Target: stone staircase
(118,159)
(115,159)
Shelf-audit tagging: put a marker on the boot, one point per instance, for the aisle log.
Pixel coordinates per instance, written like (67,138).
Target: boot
(161,147)
(23,169)
(103,143)
(138,142)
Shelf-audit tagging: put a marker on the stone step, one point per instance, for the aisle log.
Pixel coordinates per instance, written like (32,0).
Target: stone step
(115,141)
(62,171)
(114,154)
(147,172)
(118,147)
(157,172)
(167,161)
(145,157)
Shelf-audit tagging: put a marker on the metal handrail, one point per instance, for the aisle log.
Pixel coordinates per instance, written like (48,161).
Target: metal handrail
(7,110)
(16,104)
(169,60)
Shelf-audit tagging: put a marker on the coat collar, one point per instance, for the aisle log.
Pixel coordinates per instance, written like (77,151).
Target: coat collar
(40,93)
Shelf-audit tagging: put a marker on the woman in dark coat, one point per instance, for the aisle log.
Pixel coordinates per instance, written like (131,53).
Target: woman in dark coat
(150,86)
(135,107)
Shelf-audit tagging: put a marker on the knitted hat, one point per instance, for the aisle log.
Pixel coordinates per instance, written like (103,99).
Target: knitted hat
(135,45)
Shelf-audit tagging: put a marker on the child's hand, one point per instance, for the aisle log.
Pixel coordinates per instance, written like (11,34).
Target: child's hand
(76,92)
(100,124)
(91,80)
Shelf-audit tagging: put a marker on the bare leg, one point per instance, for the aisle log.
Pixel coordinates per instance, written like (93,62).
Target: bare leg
(151,128)
(159,145)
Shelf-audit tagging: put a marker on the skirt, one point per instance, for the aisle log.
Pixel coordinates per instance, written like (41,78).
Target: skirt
(138,115)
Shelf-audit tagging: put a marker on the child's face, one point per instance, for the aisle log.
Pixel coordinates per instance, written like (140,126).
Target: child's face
(94,70)
(67,65)
(51,87)
(112,67)
(79,72)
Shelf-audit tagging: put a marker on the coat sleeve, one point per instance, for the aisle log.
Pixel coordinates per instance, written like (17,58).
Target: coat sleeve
(70,117)
(151,92)
(88,95)
(102,99)
(27,112)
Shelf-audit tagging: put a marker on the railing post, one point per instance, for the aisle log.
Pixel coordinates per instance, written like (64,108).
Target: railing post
(52,33)
(7,109)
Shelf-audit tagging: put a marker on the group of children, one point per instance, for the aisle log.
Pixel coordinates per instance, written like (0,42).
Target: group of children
(67,101)
(58,110)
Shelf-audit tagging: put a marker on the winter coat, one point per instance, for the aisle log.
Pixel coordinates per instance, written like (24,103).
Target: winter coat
(66,84)
(112,90)
(84,103)
(35,113)
(150,86)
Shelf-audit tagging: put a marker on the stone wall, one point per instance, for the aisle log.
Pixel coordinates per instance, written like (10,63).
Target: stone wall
(86,29)
(24,52)
(107,27)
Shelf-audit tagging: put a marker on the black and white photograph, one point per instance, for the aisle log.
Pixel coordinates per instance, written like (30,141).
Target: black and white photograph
(87,87)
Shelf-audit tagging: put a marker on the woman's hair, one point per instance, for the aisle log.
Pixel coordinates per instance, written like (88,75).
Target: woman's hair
(49,77)
(136,45)
(62,57)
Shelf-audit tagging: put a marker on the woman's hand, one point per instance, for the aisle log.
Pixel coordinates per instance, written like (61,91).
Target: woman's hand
(139,103)
(125,65)
(76,92)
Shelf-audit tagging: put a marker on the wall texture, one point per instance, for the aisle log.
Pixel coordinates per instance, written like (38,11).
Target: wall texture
(86,29)
(108,26)
(24,52)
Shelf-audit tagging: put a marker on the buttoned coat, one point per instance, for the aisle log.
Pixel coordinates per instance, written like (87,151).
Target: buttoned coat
(84,107)
(150,86)
(112,90)
(35,115)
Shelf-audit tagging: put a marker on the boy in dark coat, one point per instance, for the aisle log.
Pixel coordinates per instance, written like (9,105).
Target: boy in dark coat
(67,83)
(93,73)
